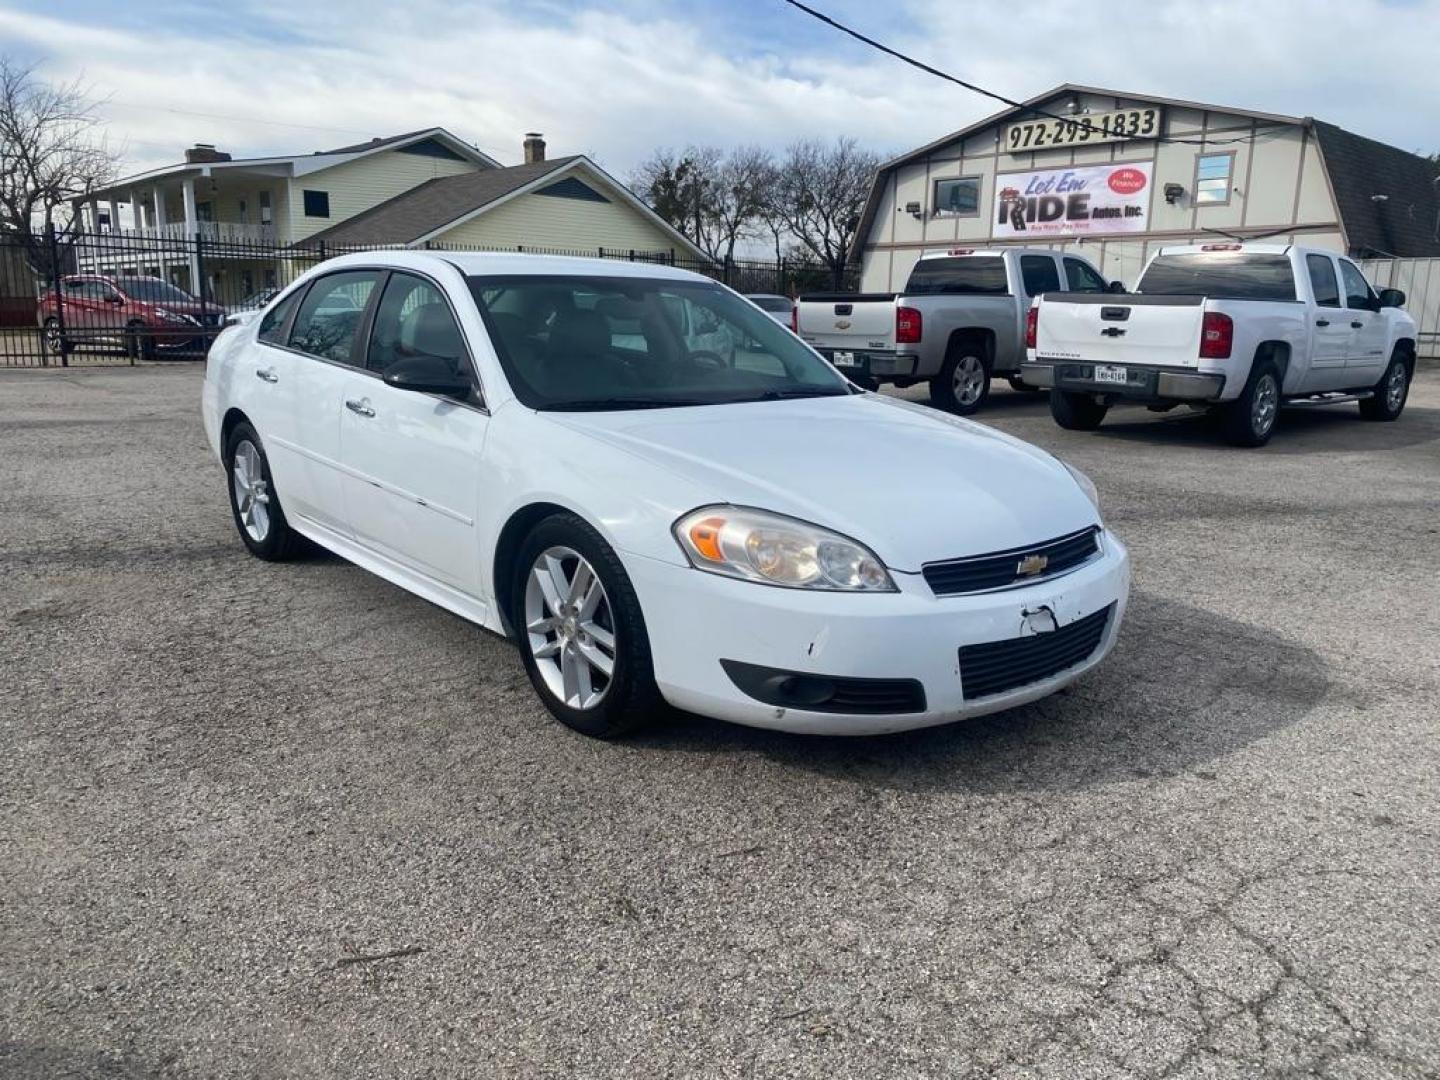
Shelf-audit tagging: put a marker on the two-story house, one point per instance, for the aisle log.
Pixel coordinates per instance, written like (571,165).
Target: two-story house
(260,220)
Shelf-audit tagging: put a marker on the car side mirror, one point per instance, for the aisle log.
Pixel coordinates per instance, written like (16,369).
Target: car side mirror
(1392,298)
(427,374)
(1116,287)
(113,299)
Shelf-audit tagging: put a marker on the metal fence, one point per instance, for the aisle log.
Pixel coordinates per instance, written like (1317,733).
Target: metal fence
(128,297)
(1420,280)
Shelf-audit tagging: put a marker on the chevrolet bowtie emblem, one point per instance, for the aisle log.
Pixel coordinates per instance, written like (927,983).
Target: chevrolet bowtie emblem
(842,324)
(1031,565)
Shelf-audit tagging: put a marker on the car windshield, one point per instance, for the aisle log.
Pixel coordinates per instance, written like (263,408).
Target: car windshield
(777,305)
(154,290)
(1226,275)
(633,343)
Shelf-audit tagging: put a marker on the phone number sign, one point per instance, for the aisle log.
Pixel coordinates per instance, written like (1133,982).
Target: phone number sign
(1087,129)
(1074,201)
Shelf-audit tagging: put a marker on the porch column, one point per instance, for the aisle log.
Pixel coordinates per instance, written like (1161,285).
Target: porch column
(137,212)
(114,209)
(192,224)
(161,239)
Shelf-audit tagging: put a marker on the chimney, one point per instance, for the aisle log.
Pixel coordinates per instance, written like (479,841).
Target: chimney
(534,147)
(201,153)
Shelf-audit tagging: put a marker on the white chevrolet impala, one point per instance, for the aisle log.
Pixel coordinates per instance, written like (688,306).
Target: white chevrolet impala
(662,495)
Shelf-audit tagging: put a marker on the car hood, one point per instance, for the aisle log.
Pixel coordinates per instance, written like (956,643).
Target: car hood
(913,484)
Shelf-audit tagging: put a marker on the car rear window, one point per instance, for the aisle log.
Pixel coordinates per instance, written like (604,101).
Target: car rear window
(1228,275)
(959,276)
(777,305)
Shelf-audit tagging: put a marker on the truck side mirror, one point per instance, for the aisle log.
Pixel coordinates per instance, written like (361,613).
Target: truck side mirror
(1392,298)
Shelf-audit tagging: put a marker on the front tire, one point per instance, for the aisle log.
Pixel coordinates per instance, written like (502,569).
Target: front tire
(1250,419)
(963,385)
(581,632)
(1391,392)
(254,503)
(1076,412)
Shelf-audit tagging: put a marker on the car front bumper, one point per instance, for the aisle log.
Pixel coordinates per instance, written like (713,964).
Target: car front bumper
(1142,383)
(697,620)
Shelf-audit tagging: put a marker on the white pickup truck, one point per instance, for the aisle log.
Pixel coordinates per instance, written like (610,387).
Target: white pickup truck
(960,320)
(1242,329)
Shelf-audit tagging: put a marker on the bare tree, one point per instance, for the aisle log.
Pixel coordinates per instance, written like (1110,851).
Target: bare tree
(51,152)
(715,198)
(675,186)
(819,195)
(737,199)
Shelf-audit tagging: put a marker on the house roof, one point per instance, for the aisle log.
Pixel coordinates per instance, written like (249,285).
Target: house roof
(307,163)
(444,202)
(1406,223)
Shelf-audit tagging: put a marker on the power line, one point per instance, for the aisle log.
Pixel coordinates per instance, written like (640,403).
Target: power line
(989,93)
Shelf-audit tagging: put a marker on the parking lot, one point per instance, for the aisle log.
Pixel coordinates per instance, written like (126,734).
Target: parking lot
(287,820)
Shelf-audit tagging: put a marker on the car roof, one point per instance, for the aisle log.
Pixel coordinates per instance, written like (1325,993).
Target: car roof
(1215,246)
(967,252)
(511,263)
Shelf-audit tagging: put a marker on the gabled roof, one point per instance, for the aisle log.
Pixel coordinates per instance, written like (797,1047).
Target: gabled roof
(300,164)
(439,205)
(1406,222)
(872,204)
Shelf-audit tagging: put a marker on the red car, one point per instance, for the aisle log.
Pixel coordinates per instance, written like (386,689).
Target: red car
(142,314)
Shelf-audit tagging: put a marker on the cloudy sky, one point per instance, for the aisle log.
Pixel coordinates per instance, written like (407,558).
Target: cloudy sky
(616,78)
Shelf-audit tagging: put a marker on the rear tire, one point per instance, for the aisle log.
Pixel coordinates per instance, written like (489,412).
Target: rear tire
(1076,412)
(254,502)
(1391,392)
(598,625)
(963,385)
(1250,419)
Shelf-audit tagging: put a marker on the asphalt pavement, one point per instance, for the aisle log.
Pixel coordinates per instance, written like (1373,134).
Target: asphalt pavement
(289,821)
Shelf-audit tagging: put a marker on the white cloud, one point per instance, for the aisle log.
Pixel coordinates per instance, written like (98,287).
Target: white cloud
(619,81)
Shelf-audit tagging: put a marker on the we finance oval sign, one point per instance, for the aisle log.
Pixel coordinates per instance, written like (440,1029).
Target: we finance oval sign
(1126,181)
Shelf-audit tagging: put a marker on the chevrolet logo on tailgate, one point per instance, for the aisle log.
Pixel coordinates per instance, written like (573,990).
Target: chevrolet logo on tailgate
(842,324)
(1031,565)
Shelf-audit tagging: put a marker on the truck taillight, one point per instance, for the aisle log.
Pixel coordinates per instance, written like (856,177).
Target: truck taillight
(1217,336)
(907,326)
(1032,322)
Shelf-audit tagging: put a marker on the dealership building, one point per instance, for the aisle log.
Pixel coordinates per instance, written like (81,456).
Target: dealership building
(1116,176)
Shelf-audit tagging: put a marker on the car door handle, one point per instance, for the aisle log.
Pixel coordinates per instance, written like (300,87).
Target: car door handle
(361,407)
(1322,322)
(1357,325)
(268,374)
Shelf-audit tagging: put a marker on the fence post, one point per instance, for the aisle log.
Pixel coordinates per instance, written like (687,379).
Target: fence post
(53,250)
(727,265)
(632,254)
(780,276)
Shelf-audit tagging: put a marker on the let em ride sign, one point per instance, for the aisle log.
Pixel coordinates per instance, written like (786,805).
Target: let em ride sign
(1073,201)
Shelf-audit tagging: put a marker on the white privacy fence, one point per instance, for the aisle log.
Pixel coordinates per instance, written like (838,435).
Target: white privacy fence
(1420,280)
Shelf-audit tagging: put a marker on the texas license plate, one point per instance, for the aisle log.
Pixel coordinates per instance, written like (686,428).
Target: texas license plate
(1109,373)
(843,359)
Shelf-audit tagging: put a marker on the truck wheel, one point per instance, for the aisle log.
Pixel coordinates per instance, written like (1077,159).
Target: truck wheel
(1390,392)
(963,384)
(1076,412)
(1020,386)
(1249,420)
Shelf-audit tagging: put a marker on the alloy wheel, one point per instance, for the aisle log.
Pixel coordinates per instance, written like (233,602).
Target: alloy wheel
(252,493)
(1395,387)
(52,336)
(570,628)
(969,380)
(1264,404)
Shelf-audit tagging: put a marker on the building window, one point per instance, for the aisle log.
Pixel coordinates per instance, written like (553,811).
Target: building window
(959,197)
(317,203)
(1212,179)
(264,208)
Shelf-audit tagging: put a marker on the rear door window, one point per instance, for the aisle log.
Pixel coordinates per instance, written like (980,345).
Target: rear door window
(1039,274)
(1357,289)
(329,318)
(1322,280)
(961,276)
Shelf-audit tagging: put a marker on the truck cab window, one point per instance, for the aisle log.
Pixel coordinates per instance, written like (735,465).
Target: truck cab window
(1322,280)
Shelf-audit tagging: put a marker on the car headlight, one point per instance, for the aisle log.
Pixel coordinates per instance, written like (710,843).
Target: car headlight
(174,316)
(756,545)
(1086,485)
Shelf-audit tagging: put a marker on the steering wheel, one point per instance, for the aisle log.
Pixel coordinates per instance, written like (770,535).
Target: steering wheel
(710,361)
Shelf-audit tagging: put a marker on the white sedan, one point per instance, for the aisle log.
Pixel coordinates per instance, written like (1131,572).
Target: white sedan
(557,450)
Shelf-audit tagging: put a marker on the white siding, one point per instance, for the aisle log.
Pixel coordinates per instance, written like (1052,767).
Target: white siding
(548,221)
(358,185)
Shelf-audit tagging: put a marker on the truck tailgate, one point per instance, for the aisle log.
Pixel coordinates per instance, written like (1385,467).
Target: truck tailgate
(1161,331)
(836,321)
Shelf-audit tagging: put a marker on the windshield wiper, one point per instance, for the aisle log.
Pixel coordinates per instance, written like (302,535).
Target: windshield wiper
(603,404)
(785,395)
